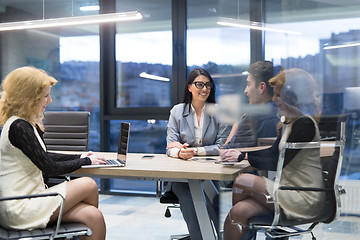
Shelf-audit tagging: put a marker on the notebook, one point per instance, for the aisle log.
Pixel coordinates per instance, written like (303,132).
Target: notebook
(122,149)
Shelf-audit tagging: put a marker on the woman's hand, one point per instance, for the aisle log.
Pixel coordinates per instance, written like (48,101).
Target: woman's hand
(230,155)
(94,157)
(186,153)
(174,144)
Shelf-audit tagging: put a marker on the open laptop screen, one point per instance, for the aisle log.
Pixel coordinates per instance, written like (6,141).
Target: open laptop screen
(123,141)
(122,149)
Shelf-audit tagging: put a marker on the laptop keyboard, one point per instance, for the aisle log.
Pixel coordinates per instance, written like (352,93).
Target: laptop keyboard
(114,162)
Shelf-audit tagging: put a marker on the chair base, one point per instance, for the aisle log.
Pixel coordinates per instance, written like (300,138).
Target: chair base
(169,197)
(180,237)
(281,233)
(66,231)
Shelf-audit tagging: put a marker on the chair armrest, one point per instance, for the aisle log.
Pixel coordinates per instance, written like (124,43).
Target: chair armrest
(42,195)
(301,145)
(29,196)
(269,198)
(306,189)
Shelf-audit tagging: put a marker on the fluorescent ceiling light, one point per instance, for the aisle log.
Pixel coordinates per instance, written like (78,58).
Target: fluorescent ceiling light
(70,21)
(90,8)
(154,77)
(224,75)
(350,44)
(230,22)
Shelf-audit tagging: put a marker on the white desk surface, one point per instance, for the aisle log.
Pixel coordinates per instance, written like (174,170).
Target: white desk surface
(162,167)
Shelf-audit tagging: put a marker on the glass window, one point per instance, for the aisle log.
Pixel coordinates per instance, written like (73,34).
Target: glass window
(323,39)
(143,79)
(70,54)
(78,89)
(146,136)
(224,51)
(23,10)
(144,56)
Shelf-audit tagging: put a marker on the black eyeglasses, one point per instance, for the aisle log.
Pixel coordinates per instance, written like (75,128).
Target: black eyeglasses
(200,85)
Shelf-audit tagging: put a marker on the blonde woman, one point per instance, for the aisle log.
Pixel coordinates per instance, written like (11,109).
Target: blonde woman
(295,93)
(24,97)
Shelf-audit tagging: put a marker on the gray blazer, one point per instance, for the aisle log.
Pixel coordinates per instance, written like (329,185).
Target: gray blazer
(181,128)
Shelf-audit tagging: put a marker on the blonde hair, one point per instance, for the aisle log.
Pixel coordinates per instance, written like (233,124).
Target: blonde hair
(301,90)
(21,92)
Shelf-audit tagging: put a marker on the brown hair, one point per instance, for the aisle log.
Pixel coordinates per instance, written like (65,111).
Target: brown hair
(298,89)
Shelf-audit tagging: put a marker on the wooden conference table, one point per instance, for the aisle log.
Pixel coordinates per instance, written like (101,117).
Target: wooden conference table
(197,173)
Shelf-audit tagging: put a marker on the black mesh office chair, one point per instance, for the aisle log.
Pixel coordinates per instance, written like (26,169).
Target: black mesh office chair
(276,226)
(65,131)
(54,231)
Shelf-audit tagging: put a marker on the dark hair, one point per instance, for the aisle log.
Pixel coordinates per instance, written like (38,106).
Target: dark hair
(262,71)
(194,74)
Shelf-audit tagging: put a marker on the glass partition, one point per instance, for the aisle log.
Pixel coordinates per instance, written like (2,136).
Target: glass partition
(325,41)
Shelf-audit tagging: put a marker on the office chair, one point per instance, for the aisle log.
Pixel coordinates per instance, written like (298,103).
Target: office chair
(54,231)
(65,131)
(173,202)
(276,226)
(352,109)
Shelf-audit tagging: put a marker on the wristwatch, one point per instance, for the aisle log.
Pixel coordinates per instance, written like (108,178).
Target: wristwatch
(196,150)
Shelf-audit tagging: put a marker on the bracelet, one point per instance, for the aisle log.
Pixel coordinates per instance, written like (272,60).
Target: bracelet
(241,156)
(179,154)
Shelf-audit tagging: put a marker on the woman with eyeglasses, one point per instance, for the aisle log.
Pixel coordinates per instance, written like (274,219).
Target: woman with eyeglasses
(191,131)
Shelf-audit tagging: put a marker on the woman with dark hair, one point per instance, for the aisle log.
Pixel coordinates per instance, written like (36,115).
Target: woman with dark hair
(192,131)
(298,107)
(185,135)
(191,78)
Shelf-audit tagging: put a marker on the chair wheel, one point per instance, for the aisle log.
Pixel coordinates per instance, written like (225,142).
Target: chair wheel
(167,213)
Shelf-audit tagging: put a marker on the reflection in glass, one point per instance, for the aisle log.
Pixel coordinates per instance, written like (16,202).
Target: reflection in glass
(317,51)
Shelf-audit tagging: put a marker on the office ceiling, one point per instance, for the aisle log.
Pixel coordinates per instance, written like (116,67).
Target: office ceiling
(157,13)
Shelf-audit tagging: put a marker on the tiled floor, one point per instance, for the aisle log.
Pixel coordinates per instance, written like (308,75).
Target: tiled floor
(142,218)
(139,218)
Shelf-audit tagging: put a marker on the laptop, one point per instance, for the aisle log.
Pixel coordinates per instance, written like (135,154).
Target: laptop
(122,149)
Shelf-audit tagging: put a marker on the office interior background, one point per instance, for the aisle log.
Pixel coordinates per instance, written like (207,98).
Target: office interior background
(108,69)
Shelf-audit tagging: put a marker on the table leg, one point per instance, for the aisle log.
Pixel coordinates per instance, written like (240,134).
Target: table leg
(210,190)
(197,194)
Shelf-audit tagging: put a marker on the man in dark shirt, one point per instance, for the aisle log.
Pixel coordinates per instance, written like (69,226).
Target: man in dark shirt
(256,125)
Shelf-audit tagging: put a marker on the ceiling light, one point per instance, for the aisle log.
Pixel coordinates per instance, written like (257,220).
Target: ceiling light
(70,21)
(154,77)
(225,75)
(90,8)
(230,22)
(350,44)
